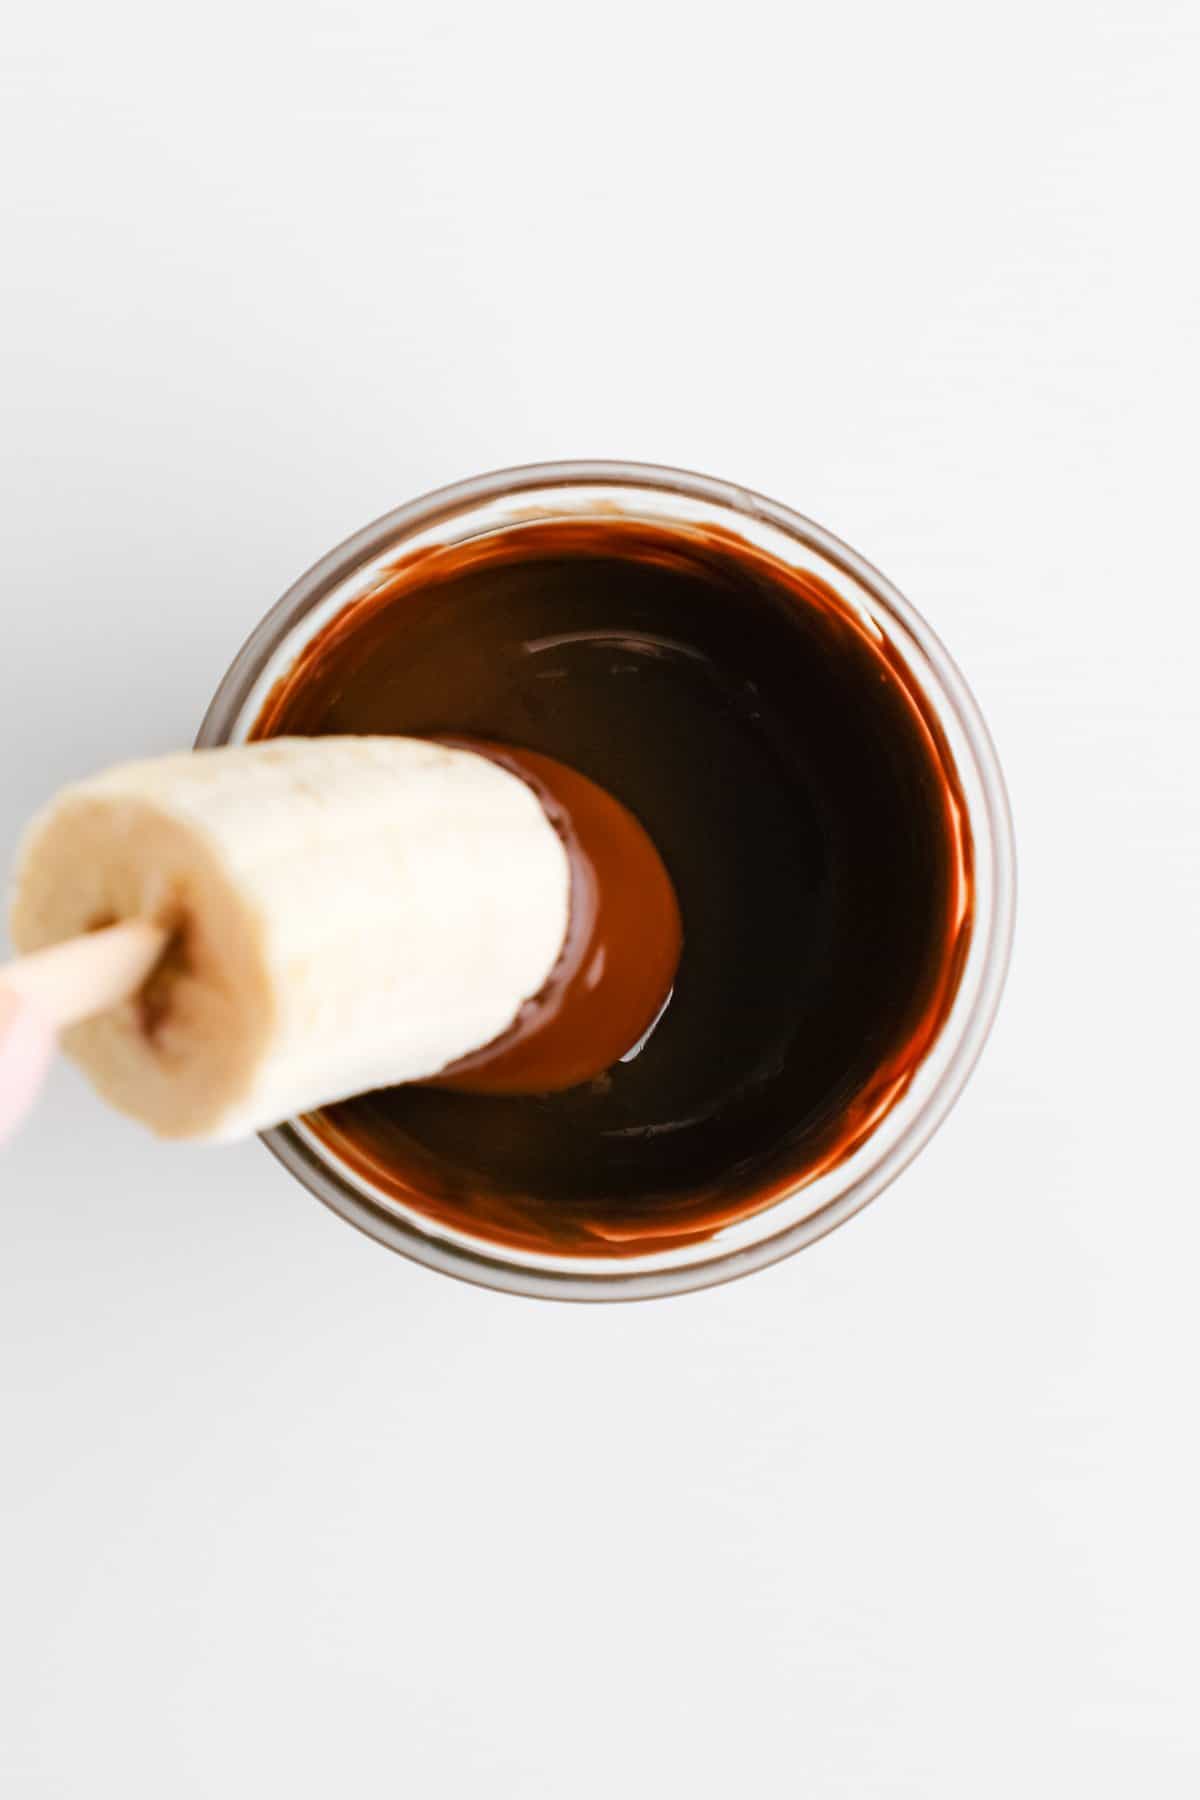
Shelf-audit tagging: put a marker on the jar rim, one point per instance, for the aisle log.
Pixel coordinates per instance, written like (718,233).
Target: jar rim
(770,1234)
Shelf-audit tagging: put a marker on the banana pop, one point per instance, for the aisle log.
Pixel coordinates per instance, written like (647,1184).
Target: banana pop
(338,915)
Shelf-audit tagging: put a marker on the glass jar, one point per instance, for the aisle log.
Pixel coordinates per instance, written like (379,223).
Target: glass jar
(507,500)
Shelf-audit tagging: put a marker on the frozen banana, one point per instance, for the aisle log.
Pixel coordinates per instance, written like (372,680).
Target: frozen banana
(342,914)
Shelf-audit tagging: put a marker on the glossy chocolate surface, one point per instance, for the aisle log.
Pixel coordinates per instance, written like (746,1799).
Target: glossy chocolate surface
(795,782)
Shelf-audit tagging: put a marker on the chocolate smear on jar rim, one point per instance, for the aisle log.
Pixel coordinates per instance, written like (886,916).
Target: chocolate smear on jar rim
(798,787)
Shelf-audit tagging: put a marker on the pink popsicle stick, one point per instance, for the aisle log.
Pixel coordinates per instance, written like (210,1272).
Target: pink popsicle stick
(26,1051)
(41,993)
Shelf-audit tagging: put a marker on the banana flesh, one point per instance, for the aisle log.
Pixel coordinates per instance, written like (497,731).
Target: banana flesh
(345,914)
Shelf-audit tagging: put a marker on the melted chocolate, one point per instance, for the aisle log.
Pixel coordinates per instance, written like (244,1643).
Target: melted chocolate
(619,963)
(795,782)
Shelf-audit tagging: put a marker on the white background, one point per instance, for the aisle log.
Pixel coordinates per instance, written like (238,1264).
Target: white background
(914,1513)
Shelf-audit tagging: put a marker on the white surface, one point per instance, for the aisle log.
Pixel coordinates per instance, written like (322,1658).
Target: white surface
(913,1514)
